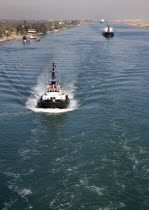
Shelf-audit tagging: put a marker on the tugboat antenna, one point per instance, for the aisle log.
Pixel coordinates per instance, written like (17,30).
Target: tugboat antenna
(53,70)
(54,66)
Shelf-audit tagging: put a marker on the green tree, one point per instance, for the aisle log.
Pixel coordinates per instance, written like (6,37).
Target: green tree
(19,28)
(1,32)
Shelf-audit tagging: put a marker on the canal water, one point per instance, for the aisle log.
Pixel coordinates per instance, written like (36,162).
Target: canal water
(93,155)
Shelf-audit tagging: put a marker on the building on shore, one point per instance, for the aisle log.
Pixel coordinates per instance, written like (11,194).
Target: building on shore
(31,32)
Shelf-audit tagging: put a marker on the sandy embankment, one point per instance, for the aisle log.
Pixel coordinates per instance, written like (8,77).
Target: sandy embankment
(10,38)
(144,23)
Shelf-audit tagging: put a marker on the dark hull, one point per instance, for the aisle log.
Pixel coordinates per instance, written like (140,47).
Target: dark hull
(108,34)
(53,104)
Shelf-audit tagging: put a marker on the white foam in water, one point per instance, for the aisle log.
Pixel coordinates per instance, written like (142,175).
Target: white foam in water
(40,89)
(25,192)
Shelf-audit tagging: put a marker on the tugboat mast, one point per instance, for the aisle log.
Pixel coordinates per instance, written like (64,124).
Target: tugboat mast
(53,78)
(53,70)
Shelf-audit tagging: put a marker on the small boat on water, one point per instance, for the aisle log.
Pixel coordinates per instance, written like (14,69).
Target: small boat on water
(31,38)
(54,97)
(25,39)
(102,20)
(108,31)
(34,38)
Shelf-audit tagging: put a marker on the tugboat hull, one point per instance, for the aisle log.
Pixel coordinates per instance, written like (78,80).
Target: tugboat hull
(53,104)
(108,34)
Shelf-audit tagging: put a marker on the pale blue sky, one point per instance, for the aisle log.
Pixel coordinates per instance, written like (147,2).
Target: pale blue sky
(74,9)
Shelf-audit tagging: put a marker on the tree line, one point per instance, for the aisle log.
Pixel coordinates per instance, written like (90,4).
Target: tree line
(7,27)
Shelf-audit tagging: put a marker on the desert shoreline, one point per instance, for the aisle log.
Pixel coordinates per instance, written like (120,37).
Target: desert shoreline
(143,23)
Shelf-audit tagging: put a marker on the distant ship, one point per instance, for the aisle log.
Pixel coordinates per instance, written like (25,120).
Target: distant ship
(54,96)
(34,38)
(25,39)
(31,38)
(108,31)
(102,20)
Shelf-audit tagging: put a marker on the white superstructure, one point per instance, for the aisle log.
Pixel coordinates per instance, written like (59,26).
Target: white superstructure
(54,92)
(108,29)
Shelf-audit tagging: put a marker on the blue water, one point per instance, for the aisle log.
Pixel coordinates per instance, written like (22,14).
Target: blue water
(93,155)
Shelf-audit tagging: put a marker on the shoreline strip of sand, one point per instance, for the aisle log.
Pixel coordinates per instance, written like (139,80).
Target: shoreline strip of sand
(143,23)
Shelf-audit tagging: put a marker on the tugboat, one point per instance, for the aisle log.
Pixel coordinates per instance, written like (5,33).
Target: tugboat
(108,31)
(54,97)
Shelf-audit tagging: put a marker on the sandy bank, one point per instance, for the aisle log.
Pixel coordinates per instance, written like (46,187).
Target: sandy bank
(144,23)
(139,25)
(10,38)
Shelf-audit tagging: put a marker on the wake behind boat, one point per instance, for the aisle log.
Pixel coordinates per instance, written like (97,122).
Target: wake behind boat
(54,96)
(108,31)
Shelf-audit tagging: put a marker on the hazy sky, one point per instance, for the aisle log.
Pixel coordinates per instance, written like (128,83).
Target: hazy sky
(74,9)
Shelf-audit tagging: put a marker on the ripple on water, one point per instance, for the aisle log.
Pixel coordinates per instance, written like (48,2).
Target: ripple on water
(95,157)
(13,184)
